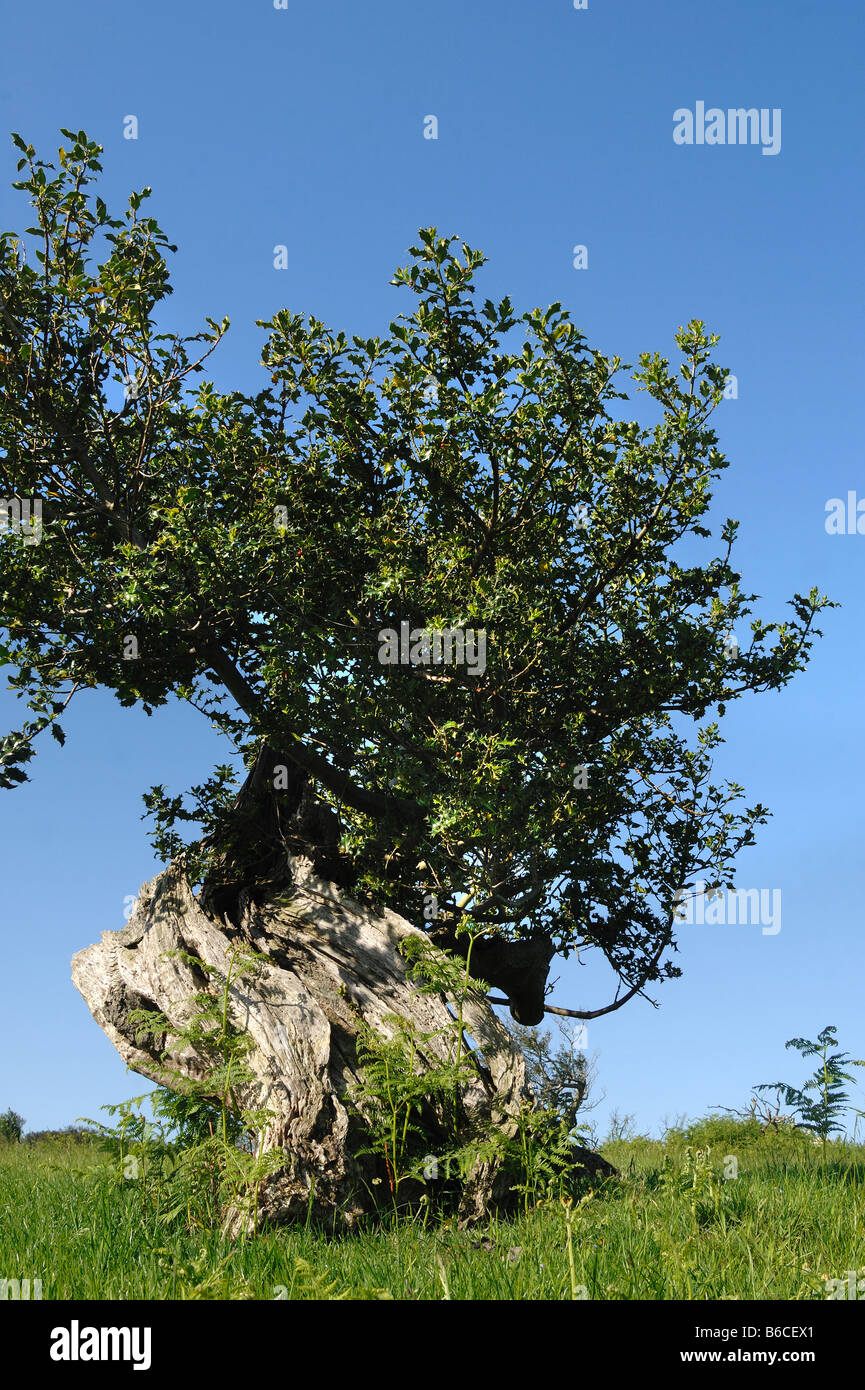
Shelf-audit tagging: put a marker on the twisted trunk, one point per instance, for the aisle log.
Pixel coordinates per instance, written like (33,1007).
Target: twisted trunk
(330,966)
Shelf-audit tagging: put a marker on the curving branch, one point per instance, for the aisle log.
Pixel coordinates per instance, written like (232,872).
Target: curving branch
(608,1008)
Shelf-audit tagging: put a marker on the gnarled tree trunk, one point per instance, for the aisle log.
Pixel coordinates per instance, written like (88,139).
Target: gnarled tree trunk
(330,966)
(330,963)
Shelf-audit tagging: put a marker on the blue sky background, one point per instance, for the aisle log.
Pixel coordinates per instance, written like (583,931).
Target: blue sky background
(304,127)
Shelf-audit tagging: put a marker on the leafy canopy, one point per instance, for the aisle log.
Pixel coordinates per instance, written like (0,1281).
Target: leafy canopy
(470,469)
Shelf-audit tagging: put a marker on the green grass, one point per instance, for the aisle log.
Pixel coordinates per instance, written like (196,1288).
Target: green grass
(671,1227)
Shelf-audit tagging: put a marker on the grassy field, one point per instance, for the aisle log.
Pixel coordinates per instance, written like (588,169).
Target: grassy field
(672,1226)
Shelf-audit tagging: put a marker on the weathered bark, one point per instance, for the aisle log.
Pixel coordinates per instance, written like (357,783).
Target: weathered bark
(330,962)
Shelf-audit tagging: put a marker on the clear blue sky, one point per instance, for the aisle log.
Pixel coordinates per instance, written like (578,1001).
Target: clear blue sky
(304,127)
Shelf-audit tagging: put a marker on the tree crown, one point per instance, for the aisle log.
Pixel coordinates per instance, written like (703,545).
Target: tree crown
(470,473)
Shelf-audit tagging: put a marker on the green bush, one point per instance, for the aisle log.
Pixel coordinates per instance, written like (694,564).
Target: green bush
(723,1131)
(65,1138)
(11,1127)
(735,1134)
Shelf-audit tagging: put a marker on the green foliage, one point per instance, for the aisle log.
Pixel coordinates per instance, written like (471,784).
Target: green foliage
(822,1101)
(189,1117)
(696,1176)
(539,1157)
(411,1107)
(11,1127)
(203,1153)
(396,1090)
(145,1153)
(401,1087)
(69,1138)
(211,800)
(722,1132)
(474,467)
